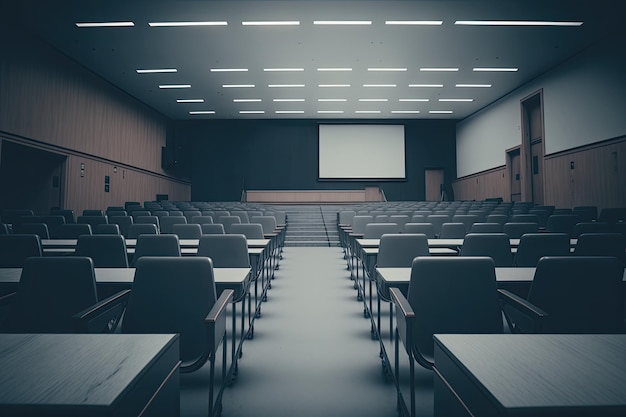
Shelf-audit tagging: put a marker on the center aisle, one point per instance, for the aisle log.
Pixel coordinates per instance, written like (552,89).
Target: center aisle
(312,354)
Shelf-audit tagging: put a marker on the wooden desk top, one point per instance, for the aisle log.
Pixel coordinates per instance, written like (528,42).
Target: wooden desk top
(535,373)
(80,374)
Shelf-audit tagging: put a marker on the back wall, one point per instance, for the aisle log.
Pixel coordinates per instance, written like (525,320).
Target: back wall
(230,155)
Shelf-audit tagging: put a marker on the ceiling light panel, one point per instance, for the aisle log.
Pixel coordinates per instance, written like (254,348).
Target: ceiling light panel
(156,70)
(247,100)
(104,24)
(379,85)
(337,69)
(286,85)
(229,69)
(188,24)
(166,86)
(271,23)
(440,69)
(238,85)
(517,23)
(473,85)
(202,112)
(387,69)
(426,85)
(333,85)
(494,69)
(343,22)
(414,22)
(288,100)
(283,69)
(460,100)
(190,100)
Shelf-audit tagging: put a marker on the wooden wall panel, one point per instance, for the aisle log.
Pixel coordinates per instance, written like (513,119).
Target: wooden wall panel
(488,184)
(50,102)
(57,102)
(598,176)
(126,184)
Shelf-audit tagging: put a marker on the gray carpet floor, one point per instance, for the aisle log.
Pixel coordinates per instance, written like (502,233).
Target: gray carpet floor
(312,353)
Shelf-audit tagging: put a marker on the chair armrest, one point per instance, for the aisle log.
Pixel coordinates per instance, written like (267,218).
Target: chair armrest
(401,302)
(103,316)
(215,321)
(404,316)
(522,316)
(219,307)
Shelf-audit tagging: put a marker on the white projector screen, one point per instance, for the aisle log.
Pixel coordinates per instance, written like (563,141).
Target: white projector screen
(361,152)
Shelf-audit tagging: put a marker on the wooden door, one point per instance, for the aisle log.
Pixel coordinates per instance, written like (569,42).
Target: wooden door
(514,165)
(536,152)
(532,148)
(434,180)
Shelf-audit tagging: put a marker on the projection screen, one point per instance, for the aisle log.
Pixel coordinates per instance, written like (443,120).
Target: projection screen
(361,152)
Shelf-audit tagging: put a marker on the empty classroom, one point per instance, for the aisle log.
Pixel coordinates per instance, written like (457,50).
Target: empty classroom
(273,208)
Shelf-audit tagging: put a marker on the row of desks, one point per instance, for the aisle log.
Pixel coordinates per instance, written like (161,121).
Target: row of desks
(148,383)
(497,375)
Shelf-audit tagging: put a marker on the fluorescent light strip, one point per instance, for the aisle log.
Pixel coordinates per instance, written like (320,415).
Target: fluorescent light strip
(405,111)
(495,69)
(285,85)
(413,99)
(251,111)
(238,85)
(289,112)
(387,69)
(373,99)
(283,69)
(202,112)
(342,22)
(104,24)
(517,23)
(333,85)
(271,23)
(247,100)
(229,69)
(414,22)
(439,69)
(288,100)
(335,69)
(165,86)
(190,100)
(440,111)
(367,111)
(332,99)
(379,85)
(156,70)
(426,85)
(456,99)
(179,24)
(473,85)
(330,111)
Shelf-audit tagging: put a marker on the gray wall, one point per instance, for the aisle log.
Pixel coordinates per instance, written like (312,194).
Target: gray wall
(583,104)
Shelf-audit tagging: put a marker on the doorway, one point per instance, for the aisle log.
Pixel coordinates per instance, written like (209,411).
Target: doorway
(513,166)
(533,149)
(30,178)
(434,184)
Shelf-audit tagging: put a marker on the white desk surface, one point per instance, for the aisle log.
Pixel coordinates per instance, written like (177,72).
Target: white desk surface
(399,276)
(127,275)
